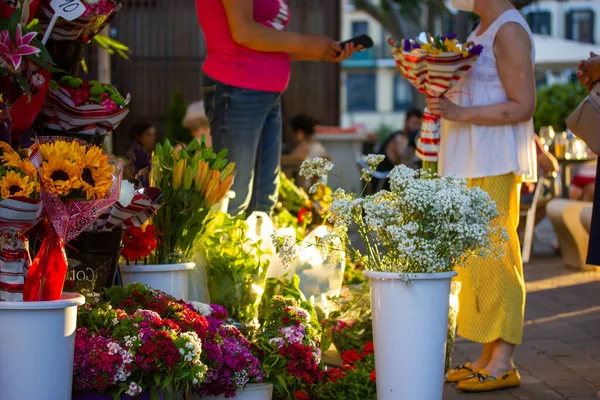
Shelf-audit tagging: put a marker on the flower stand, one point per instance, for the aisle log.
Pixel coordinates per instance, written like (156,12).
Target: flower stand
(169,278)
(37,342)
(252,391)
(410,326)
(102,396)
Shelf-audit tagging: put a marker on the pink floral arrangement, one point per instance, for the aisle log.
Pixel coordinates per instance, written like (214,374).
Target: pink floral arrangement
(290,344)
(98,7)
(230,358)
(83,107)
(127,354)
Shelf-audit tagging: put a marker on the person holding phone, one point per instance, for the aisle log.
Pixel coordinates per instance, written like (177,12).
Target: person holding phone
(247,69)
(487,138)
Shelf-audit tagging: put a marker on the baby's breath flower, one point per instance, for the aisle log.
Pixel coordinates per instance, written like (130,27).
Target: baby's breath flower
(315,168)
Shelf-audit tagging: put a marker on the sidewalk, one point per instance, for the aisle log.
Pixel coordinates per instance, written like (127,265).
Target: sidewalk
(560,354)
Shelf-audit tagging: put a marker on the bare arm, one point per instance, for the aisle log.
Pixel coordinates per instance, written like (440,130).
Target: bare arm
(515,67)
(246,32)
(546,161)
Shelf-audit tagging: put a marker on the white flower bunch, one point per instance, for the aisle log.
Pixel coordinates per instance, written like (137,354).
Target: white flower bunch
(201,308)
(127,193)
(424,224)
(316,168)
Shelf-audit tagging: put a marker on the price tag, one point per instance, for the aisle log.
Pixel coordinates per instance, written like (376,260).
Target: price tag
(67,9)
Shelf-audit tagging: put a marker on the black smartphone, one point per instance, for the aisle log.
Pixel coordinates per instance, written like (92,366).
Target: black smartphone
(363,40)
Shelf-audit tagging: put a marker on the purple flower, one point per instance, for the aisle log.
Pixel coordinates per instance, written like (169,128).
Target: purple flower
(449,37)
(476,50)
(149,315)
(407,45)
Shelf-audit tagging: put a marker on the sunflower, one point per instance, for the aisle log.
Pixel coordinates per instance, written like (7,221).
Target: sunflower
(60,176)
(14,185)
(8,156)
(96,176)
(71,151)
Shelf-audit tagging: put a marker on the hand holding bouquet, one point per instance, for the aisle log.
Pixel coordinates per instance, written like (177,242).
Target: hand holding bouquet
(78,183)
(434,69)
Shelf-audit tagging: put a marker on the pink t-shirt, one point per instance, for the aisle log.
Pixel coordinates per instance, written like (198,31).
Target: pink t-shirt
(237,65)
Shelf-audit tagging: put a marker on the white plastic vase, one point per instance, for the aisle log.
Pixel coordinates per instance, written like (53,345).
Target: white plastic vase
(252,391)
(410,326)
(169,278)
(37,343)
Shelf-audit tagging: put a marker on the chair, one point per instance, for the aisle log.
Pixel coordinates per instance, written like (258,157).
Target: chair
(529,212)
(379,175)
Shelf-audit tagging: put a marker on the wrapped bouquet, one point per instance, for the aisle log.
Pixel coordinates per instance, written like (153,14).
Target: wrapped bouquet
(20,209)
(78,183)
(434,69)
(25,67)
(83,109)
(98,14)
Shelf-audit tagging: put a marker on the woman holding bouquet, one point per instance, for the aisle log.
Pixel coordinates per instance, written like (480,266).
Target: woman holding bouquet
(246,71)
(487,137)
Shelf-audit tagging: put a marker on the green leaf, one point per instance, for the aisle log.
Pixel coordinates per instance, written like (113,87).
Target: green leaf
(14,21)
(154,394)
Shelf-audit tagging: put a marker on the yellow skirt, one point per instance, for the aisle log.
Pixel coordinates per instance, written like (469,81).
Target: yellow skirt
(492,296)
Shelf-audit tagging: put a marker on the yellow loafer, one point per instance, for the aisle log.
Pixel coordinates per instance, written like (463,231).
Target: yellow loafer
(483,382)
(460,373)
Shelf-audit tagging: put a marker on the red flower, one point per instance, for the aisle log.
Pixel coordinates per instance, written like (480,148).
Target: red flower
(300,395)
(368,349)
(351,356)
(373,377)
(138,243)
(335,374)
(303,215)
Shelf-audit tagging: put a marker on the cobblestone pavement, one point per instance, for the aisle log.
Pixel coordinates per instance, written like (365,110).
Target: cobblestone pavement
(560,354)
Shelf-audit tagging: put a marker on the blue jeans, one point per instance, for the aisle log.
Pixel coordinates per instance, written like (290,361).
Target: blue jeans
(248,124)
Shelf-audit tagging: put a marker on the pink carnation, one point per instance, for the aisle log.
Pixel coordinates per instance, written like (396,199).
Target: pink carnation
(109,105)
(37,81)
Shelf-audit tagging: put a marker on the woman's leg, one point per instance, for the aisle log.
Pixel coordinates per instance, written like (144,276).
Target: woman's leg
(588,192)
(503,358)
(485,357)
(575,192)
(266,180)
(237,118)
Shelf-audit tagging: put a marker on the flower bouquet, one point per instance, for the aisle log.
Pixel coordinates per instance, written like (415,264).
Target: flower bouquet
(25,67)
(20,209)
(414,236)
(434,69)
(98,14)
(81,109)
(78,183)
(355,379)
(192,181)
(290,342)
(131,353)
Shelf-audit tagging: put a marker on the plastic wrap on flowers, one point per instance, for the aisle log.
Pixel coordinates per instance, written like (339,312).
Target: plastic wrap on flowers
(20,209)
(83,29)
(434,69)
(7,8)
(121,216)
(79,182)
(25,109)
(83,108)
(320,265)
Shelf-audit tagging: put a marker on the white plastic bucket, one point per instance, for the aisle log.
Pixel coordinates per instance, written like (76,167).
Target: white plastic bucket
(252,391)
(169,278)
(37,342)
(410,326)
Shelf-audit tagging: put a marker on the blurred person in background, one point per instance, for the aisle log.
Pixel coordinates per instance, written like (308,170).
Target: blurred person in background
(197,122)
(139,153)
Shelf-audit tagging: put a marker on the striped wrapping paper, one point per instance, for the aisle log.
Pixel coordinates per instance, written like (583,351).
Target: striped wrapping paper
(435,76)
(80,30)
(16,217)
(60,113)
(143,206)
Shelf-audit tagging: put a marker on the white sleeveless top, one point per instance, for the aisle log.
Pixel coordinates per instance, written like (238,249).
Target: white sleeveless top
(474,151)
